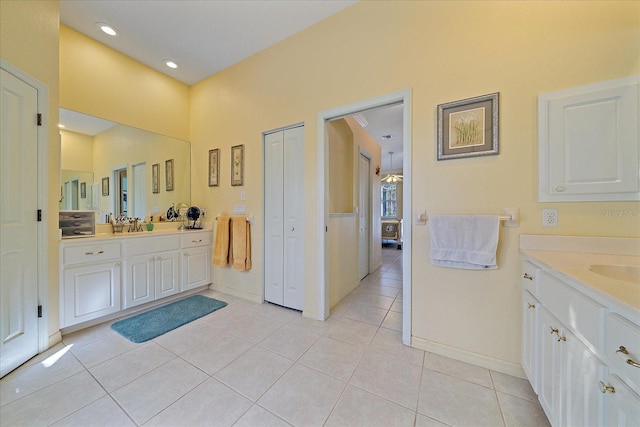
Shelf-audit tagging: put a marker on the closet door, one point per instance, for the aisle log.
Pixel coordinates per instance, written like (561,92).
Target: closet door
(284,218)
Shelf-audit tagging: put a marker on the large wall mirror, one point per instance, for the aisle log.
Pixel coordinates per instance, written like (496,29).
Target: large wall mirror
(120,170)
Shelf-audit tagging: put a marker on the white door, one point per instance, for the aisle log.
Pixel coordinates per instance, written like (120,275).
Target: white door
(284,217)
(138,196)
(18,227)
(364,208)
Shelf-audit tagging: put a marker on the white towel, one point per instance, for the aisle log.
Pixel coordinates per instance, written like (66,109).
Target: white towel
(464,241)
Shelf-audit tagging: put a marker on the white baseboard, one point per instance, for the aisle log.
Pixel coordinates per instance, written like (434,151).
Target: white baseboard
(54,339)
(488,362)
(236,293)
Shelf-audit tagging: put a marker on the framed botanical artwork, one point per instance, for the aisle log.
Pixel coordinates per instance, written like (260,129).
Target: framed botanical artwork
(468,128)
(237,165)
(168,165)
(83,190)
(105,186)
(214,167)
(155,178)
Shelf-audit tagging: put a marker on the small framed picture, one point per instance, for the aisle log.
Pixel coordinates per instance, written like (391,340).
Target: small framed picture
(155,178)
(237,165)
(105,186)
(468,128)
(214,167)
(169,174)
(83,190)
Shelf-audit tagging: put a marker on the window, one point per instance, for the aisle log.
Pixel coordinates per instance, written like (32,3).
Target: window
(389,200)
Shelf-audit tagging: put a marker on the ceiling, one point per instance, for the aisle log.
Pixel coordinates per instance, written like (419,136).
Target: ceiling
(206,36)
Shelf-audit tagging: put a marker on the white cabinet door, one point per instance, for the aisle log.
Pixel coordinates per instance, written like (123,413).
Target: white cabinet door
(139,285)
(550,389)
(196,269)
(584,403)
(284,217)
(167,274)
(588,142)
(91,292)
(622,405)
(530,328)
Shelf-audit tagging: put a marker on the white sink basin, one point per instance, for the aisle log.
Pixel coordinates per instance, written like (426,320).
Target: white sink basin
(627,273)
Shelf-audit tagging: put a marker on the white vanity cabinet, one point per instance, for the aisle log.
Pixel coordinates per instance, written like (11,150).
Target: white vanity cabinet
(196,260)
(152,269)
(90,281)
(104,275)
(574,347)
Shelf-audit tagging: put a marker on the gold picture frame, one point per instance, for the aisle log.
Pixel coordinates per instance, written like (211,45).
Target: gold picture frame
(214,167)
(168,165)
(105,186)
(237,165)
(155,178)
(468,128)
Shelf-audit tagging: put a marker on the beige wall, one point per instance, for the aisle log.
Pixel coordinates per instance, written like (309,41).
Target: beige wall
(97,80)
(29,41)
(443,51)
(76,151)
(340,161)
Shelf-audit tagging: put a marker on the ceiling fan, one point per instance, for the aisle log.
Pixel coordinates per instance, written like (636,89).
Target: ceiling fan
(391,178)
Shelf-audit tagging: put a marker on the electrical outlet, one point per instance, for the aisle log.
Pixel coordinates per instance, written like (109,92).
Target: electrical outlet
(549,217)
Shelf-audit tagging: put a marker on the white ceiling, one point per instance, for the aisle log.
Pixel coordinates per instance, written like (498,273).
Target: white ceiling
(207,36)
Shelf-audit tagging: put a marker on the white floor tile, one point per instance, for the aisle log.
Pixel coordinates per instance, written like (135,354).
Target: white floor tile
(352,332)
(390,342)
(521,412)
(290,341)
(103,412)
(212,355)
(461,370)
(333,357)
(303,397)
(107,347)
(258,416)
(512,385)
(357,407)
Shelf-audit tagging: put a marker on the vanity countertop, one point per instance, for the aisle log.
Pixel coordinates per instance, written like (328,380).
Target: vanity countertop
(171,229)
(572,262)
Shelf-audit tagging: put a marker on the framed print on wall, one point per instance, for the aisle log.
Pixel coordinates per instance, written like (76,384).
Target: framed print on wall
(468,128)
(214,167)
(105,186)
(155,178)
(237,165)
(83,190)
(169,174)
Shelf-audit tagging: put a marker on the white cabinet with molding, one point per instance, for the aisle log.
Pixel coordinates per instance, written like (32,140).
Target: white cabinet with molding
(102,276)
(580,344)
(588,142)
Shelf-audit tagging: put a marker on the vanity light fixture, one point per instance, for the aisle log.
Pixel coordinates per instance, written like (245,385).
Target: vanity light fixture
(107,29)
(171,64)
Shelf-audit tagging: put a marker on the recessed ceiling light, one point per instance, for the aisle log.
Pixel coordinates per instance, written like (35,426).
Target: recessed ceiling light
(171,64)
(107,29)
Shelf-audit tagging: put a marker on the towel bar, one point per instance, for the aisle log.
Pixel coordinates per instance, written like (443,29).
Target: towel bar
(249,219)
(511,217)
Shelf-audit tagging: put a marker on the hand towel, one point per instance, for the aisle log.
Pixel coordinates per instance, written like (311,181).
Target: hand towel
(464,241)
(241,243)
(221,243)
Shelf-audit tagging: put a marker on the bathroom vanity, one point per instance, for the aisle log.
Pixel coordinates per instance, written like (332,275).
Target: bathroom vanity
(581,328)
(108,274)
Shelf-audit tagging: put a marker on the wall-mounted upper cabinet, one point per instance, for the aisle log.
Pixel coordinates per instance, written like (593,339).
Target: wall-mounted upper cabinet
(588,147)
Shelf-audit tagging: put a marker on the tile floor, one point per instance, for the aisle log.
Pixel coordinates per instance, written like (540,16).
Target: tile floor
(261,365)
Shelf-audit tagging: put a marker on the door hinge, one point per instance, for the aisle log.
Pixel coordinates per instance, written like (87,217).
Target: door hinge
(326,228)
(39,311)
(39,214)
(39,119)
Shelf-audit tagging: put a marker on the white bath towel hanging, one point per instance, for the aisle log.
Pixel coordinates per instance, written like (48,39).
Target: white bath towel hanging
(464,241)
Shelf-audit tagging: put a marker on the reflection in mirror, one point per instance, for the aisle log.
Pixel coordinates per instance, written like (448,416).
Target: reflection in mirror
(93,149)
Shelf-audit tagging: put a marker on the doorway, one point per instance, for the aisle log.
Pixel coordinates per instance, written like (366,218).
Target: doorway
(403,97)
(364,214)
(120,192)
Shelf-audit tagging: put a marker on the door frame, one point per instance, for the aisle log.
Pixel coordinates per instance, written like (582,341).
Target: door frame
(364,153)
(43,228)
(402,96)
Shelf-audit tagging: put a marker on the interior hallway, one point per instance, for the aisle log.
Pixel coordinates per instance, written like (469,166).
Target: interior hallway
(262,365)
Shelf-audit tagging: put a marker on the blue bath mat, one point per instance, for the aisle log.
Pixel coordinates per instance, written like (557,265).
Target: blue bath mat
(153,323)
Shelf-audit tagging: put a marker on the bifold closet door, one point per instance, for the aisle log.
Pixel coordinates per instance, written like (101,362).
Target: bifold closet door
(284,217)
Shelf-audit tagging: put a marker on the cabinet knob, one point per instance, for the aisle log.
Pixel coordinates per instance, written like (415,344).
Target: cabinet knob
(196,241)
(553,330)
(561,338)
(607,388)
(559,188)
(526,276)
(531,306)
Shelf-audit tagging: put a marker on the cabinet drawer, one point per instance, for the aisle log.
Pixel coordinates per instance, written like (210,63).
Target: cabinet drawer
(147,245)
(530,273)
(193,240)
(622,333)
(581,314)
(90,253)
